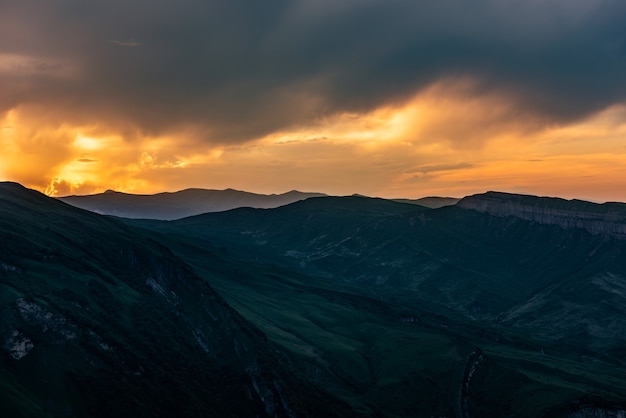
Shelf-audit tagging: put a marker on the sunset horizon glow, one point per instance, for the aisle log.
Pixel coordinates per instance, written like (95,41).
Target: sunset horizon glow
(525,99)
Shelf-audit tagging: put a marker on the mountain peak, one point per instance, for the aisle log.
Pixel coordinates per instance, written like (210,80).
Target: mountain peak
(11,184)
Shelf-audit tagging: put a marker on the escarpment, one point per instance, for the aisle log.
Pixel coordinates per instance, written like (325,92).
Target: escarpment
(607,219)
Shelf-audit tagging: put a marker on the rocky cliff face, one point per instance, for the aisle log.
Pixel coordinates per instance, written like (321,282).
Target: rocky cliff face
(607,219)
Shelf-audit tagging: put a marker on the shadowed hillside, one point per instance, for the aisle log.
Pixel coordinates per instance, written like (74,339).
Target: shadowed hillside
(99,319)
(535,309)
(332,306)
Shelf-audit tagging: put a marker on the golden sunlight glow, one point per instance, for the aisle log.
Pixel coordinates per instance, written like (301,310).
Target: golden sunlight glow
(446,140)
(87,144)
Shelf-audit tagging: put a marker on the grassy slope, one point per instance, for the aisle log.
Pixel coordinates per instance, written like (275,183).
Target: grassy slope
(353,330)
(119,326)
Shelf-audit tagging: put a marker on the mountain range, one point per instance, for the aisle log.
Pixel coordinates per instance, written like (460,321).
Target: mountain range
(188,202)
(494,305)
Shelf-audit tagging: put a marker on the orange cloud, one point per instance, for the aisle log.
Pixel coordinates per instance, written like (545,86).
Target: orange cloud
(78,159)
(449,139)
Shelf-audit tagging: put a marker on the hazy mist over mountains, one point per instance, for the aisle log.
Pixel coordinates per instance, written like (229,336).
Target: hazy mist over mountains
(168,206)
(303,304)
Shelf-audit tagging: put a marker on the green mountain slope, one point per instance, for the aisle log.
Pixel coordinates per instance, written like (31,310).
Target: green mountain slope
(480,315)
(99,319)
(342,307)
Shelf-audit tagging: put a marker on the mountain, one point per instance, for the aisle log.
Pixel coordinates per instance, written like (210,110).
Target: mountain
(99,319)
(329,306)
(480,311)
(607,218)
(167,206)
(433,202)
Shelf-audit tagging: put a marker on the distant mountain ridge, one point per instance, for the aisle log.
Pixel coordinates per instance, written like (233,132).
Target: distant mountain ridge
(189,202)
(607,218)
(176,205)
(433,202)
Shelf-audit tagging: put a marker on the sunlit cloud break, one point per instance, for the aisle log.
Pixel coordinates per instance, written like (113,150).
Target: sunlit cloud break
(389,99)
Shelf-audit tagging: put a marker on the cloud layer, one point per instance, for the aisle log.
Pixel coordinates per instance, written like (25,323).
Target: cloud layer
(410,89)
(238,70)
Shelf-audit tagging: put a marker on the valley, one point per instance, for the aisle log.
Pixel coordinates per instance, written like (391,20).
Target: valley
(329,306)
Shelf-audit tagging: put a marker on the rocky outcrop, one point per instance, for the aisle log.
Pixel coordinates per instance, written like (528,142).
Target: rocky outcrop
(17,345)
(607,219)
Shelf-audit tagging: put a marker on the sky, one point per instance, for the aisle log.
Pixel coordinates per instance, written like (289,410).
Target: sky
(389,98)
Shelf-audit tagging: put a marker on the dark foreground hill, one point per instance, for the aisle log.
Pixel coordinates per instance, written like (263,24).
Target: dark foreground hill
(464,310)
(501,305)
(167,206)
(100,320)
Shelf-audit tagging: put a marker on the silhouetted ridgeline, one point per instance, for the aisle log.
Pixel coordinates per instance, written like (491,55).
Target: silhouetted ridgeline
(189,202)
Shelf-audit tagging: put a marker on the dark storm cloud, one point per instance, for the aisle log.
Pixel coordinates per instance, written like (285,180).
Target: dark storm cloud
(235,69)
(129,43)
